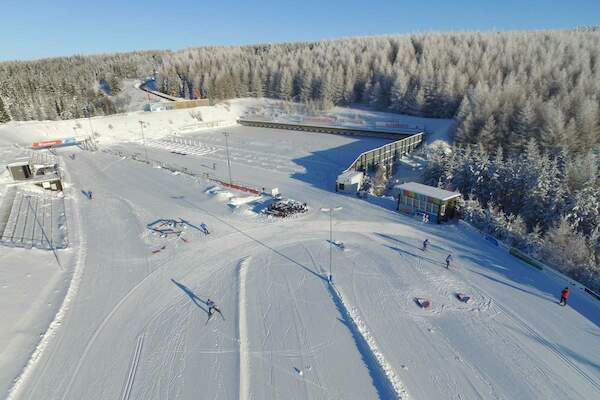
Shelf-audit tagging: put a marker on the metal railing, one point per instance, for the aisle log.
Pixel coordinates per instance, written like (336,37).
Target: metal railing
(387,154)
(34,220)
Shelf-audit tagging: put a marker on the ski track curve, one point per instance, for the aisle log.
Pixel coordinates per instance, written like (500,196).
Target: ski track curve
(549,345)
(104,322)
(15,391)
(352,315)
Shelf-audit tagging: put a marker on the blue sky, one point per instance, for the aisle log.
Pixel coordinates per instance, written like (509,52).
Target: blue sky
(44,28)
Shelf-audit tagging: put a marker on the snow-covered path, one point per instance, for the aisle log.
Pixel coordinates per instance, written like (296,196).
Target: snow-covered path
(138,326)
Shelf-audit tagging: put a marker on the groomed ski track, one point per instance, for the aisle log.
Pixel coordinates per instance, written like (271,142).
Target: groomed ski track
(137,326)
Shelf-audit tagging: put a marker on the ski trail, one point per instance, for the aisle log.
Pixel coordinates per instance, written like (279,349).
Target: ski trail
(549,345)
(19,383)
(133,369)
(104,322)
(244,385)
(384,377)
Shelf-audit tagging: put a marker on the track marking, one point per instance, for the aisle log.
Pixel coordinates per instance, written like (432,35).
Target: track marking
(549,345)
(133,368)
(386,381)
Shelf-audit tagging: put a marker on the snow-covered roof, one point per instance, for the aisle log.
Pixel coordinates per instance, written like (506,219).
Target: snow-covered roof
(349,175)
(429,191)
(43,165)
(18,163)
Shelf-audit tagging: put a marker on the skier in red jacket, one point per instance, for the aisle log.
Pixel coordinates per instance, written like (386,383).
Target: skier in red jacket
(564,295)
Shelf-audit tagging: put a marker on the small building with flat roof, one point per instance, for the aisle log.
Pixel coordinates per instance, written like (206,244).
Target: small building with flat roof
(349,181)
(438,204)
(40,169)
(20,170)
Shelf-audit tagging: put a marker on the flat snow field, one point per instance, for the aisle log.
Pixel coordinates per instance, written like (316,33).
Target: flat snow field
(137,326)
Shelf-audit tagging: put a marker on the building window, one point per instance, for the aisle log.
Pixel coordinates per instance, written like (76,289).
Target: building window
(341,186)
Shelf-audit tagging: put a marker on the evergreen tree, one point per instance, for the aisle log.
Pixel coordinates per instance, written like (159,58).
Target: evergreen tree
(285,85)
(585,214)
(4,117)
(522,127)
(487,135)
(397,93)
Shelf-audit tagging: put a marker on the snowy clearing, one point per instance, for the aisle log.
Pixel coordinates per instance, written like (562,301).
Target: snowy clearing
(135,324)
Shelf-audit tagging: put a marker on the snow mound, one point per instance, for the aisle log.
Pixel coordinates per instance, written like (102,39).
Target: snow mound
(238,201)
(219,193)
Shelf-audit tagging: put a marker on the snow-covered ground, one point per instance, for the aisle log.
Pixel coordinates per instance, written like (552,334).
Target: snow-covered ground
(131,98)
(134,322)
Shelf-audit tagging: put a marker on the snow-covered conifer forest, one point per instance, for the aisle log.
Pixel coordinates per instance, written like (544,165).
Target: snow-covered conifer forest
(526,106)
(503,88)
(277,241)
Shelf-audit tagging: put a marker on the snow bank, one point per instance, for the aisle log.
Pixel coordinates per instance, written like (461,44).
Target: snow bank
(244,393)
(219,193)
(389,380)
(238,201)
(124,127)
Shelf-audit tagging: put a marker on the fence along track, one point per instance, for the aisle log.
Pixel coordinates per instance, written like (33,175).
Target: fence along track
(28,219)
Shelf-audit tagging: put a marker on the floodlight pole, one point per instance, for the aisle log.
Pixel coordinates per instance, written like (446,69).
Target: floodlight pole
(330,210)
(88,110)
(226,134)
(144,140)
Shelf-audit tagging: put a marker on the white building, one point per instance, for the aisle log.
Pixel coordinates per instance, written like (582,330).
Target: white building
(349,182)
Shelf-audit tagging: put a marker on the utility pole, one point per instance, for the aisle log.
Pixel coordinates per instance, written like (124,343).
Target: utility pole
(87,109)
(144,140)
(226,134)
(330,210)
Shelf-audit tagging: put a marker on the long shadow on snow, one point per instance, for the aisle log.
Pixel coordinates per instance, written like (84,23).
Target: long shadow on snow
(431,260)
(431,247)
(567,353)
(381,383)
(323,166)
(324,278)
(491,278)
(195,299)
(485,256)
(525,276)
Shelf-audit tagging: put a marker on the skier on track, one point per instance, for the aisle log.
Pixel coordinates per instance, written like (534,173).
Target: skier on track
(448,261)
(564,295)
(212,307)
(425,243)
(204,228)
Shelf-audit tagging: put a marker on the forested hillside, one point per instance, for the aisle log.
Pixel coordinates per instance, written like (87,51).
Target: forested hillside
(526,105)
(503,88)
(547,205)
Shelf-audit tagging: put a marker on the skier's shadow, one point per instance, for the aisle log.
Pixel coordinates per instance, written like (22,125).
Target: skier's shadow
(431,260)
(195,299)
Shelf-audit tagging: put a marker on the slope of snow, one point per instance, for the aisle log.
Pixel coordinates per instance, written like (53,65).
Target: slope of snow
(135,325)
(126,126)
